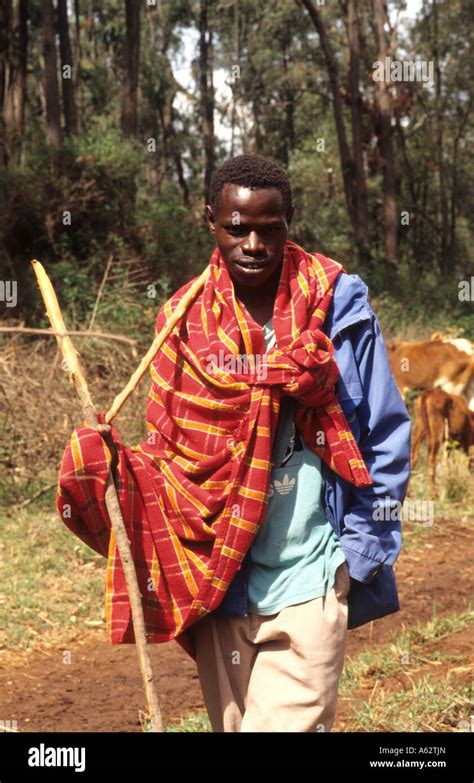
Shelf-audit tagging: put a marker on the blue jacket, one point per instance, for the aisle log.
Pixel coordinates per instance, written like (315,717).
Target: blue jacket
(380,423)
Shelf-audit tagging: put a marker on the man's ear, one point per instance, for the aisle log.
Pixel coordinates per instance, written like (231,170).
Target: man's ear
(211,221)
(289,215)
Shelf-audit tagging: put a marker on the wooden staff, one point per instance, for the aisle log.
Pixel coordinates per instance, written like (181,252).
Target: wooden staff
(71,358)
(178,313)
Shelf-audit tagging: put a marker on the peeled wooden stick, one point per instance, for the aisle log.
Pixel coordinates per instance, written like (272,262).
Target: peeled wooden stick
(71,358)
(178,313)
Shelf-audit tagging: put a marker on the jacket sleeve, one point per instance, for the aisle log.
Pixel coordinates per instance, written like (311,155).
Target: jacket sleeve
(371,535)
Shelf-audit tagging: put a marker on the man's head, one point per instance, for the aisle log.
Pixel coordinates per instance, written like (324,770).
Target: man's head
(250,212)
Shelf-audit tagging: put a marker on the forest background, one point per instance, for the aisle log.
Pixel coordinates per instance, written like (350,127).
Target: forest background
(114,116)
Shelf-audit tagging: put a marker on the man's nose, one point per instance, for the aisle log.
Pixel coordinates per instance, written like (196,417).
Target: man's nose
(253,243)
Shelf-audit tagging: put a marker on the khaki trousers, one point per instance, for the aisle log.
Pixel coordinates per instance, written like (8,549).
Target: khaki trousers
(277,672)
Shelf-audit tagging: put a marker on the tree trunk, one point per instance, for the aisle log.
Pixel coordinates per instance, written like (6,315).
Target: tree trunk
(170,140)
(413,189)
(77,32)
(5,20)
(207,95)
(80,92)
(443,199)
(53,112)
(5,12)
(258,136)
(454,181)
(288,94)
(360,186)
(347,165)
(166,110)
(129,120)
(69,101)
(235,79)
(383,124)
(14,76)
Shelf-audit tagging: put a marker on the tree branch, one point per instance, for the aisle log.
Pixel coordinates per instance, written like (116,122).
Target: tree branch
(75,333)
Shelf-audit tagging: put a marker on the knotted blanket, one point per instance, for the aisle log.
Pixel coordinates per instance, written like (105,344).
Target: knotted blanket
(194,493)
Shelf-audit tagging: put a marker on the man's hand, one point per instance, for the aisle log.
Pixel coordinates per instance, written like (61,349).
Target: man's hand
(105,430)
(102,428)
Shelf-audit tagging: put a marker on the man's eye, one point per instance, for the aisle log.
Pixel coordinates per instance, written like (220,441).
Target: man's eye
(241,230)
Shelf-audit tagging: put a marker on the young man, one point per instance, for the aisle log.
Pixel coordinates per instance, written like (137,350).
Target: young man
(263,507)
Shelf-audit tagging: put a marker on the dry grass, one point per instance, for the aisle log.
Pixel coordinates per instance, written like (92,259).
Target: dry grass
(429,705)
(454,484)
(52,585)
(455,479)
(406,648)
(39,408)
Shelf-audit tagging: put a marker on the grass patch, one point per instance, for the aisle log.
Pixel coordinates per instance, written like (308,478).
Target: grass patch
(193,722)
(430,705)
(405,649)
(455,498)
(50,581)
(455,488)
(454,478)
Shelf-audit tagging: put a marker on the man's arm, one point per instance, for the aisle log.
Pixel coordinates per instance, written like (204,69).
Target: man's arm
(371,535)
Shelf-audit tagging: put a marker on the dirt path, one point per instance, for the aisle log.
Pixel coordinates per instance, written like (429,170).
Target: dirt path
(101,688)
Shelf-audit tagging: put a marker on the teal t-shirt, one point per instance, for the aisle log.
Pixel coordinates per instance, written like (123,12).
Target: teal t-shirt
(296,553)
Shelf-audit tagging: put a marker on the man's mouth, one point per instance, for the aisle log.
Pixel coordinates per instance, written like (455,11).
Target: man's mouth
(251,265)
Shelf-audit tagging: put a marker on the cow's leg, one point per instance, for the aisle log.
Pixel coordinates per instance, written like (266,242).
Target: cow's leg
(435,439)
(460,426)
(466,436)
(419,432)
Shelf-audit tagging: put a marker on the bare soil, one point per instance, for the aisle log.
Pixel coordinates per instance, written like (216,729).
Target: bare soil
(101,688)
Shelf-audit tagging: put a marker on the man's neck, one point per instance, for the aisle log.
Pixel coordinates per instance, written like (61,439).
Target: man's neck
(260,311)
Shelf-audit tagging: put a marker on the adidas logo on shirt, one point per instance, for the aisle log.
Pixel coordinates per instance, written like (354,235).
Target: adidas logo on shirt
(284,486)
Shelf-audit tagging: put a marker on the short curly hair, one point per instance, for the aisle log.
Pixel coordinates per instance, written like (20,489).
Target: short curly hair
(250,171)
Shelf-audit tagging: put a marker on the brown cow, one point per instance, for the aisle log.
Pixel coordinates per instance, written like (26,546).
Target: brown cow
(461,343)
(431,364)
(436,411)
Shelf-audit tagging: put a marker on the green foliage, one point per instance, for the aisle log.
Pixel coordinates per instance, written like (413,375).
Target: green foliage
(173,244)
(147,206)
(412,303)
(68,213)
(101,169)
(317,208)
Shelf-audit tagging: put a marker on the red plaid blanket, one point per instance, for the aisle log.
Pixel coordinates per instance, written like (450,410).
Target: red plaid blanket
(194,493)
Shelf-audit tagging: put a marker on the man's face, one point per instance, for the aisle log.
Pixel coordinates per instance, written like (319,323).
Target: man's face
(251,228)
